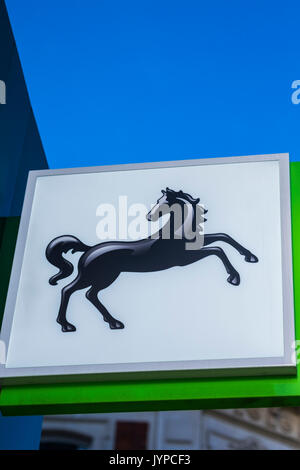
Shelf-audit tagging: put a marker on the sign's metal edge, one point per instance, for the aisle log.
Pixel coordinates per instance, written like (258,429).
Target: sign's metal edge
(8,376)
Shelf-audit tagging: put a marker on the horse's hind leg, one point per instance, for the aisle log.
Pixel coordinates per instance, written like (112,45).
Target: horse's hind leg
(92,296)
(223,237)
(66,292)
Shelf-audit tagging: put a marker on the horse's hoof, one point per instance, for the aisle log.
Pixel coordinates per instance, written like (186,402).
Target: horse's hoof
(234,279)
(251,258)
(116,325)
(67,327)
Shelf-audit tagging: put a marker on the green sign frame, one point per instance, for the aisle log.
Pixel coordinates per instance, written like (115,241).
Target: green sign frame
(156,395)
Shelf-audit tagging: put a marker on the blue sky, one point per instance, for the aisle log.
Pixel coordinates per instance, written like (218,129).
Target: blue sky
(134,81)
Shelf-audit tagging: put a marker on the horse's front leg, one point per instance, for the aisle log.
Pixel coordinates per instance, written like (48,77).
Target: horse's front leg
(190,257)
(223,237)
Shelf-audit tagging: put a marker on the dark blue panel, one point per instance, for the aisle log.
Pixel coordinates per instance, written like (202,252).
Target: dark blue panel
(20,433)
(20,144)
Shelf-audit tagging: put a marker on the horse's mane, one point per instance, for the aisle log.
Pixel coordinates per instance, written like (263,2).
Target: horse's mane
(182,195)
(187,197)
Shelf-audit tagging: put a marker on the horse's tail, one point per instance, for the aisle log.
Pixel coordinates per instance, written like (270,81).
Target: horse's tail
(54,252)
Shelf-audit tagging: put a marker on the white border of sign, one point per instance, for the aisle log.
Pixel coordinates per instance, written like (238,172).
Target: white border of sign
(284,365)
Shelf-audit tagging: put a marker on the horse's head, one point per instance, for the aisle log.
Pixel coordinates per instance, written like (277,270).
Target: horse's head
(168,198)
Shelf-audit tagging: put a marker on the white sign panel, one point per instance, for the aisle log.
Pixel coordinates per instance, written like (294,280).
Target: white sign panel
(118,274)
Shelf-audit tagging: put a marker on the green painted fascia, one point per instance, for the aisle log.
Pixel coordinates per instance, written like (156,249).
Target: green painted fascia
(181,394)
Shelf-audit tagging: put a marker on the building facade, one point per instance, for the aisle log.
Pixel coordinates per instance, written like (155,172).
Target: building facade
(239,429)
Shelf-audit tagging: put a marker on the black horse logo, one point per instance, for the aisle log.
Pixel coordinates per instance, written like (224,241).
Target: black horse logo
(100,265)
